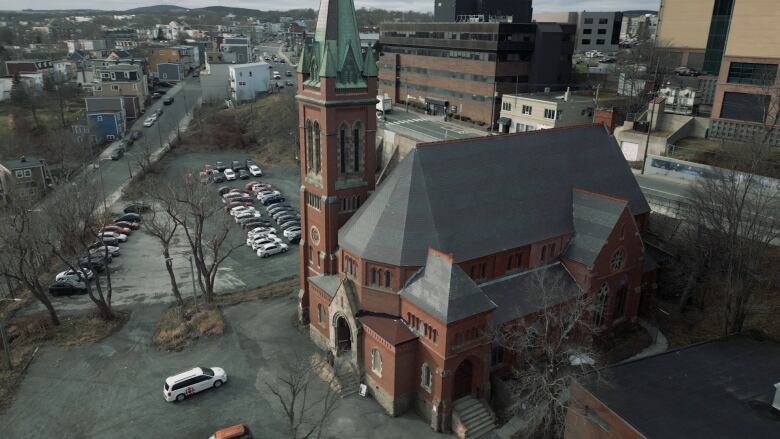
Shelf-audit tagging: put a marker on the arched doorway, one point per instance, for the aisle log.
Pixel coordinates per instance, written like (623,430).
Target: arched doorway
(343,335)
(462,382)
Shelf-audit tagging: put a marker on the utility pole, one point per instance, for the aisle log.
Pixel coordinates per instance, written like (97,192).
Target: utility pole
(650,123)
(493,107)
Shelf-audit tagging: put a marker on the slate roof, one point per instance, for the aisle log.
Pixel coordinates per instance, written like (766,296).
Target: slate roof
(518,294)
(717,390)
(443,290)
(391,329)
(479,196)
(327,283)
(23,163)
(595,217)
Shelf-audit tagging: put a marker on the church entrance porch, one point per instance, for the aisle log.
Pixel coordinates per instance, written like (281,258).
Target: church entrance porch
(462,381)
(343,336)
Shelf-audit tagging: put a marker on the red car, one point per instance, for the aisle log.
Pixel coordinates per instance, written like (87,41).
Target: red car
(117,229)
(249,186)
(233,204)
(127,225)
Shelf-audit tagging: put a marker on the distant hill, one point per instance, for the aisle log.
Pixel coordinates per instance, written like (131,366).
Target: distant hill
(228,10)
(638,12)
(157,9)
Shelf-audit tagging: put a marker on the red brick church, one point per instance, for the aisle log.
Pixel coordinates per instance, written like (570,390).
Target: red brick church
(402,282)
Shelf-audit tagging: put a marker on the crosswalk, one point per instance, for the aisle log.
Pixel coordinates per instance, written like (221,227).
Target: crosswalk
(399,122)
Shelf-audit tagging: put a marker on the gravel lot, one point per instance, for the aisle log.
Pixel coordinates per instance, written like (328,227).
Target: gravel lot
(113,388)
(138,276)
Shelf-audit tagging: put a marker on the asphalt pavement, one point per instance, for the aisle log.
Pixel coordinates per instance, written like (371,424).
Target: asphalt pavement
(424,128)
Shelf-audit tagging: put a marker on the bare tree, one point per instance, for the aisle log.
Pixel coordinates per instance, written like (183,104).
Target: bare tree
(163,226)
(643,69)
(204,226)
(736,219)
(550,349)
(24,254)
(306,413)
(75,220)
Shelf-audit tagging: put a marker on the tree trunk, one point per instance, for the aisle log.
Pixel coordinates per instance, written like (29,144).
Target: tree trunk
(55,320)
(172,275)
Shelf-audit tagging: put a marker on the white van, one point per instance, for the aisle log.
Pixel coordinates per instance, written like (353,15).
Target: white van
(195,380)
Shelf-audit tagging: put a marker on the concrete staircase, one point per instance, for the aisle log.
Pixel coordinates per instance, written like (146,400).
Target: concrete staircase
(472,418)
(349,380)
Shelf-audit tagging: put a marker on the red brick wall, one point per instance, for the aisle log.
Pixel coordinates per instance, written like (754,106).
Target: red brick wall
(318,297)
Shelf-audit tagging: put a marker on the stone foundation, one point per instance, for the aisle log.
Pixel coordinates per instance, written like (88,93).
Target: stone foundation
(394,406)
(439,419)
(320,340)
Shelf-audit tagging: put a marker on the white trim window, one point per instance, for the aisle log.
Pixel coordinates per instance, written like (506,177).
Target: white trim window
(527,109)
(28,173)
(426,377)
(376,362)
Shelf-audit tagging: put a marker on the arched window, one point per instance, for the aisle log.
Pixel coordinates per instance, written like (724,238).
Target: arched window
(343,148)
(320,313)
(601,305)
(426,377)
(376,362)
(356,142)
(373,276)
(309,147)
(387,279)
(317,150)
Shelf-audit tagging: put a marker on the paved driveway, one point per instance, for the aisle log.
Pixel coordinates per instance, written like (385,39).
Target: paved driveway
(113,389)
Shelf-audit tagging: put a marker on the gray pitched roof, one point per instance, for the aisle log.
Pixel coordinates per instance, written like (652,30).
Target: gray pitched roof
(23,163)
(594,218)
(327,283)
(519,294)
(442,289)
(480,196)
(721,389)
(100,104)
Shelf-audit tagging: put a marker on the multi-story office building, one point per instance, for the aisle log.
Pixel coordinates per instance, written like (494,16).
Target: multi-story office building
(451,10)
(734,41)
(464,68)
(598,31)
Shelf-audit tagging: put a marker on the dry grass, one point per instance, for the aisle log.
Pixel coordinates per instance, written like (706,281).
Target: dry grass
(28,334)
(276,289)
(178,328)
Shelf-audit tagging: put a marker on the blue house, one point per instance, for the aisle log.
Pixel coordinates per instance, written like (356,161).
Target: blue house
(106,118)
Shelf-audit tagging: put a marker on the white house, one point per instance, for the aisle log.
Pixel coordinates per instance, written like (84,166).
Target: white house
(246,80)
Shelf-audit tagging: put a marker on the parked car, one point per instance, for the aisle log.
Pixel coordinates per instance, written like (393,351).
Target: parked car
(256,222)
(287,218)
(117,229)
(168,100)
(129,217)
(233,204)
(260,187)
(290,224)
(108,240)
(77,275)
(121,237)
(237,165)
(98,248)
(271,249)
(195,380)
(207,168)
(249,162)
(273,200)
(284,212)
(255,171)
(246,214)
(223,190)
(289,83)
(291,232)
(156,95)
(139,207)
(149,121)
(129,225)
(294,237)
(228,197)
(279,206)
(67,288)
(230,174)
(252,220)
(263,241)
(264,195)
(93,262)
(221,167)
(243,174)
(239,431)
(260,231)
(136,135)
(218,177)
(158,112)
(117,154)
(235,210)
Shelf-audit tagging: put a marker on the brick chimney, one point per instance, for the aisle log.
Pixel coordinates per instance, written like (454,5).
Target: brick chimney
(610,117)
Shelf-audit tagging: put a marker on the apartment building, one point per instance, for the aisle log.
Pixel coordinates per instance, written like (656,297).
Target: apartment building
(598,31)
(735,43)
(235,48)
(126,80)
(171,63)
(540,111)
(464,68)
(247,80)
(27,178)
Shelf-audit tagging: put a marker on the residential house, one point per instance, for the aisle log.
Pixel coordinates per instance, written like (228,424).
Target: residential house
(86,45)
(106,118)
(721,389)
(26,177)
(247,80)
(170,63)
(126,80)
(540,111)
(45,67)
(235,48)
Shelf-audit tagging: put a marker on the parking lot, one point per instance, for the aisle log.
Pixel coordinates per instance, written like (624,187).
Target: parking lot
(114,388)
(138,276)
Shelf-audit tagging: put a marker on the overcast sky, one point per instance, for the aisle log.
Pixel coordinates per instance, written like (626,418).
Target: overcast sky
(418,5)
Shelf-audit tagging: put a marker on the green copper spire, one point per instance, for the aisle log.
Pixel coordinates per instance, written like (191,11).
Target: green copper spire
(369,65)
(304,62)
(328,67)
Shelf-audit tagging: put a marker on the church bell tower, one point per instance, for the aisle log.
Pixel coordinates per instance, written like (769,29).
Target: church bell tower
(336,97)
